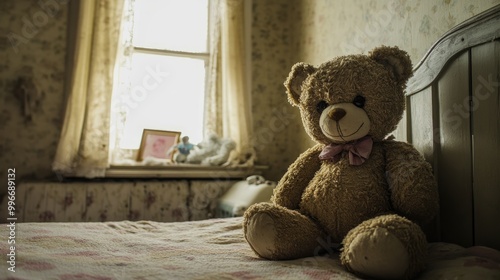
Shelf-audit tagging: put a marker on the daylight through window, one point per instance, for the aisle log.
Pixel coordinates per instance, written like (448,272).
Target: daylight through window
(167,75)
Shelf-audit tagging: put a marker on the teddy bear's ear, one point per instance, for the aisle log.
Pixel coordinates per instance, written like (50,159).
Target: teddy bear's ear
(394,59)
(299,73)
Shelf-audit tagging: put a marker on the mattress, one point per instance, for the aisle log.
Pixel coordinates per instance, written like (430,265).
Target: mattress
(208,249)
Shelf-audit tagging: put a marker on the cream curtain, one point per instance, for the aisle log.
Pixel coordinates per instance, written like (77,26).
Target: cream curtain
(228,109)
(84,143)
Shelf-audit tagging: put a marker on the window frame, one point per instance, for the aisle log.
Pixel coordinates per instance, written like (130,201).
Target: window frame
(186,171)
(203,56)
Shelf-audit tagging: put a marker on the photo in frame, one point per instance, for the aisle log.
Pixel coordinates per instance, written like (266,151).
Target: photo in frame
(157,143)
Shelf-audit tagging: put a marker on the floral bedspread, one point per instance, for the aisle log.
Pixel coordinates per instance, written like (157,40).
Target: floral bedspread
(208,249)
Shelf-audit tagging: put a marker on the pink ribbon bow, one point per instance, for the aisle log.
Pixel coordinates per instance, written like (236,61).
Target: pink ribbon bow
(359,150)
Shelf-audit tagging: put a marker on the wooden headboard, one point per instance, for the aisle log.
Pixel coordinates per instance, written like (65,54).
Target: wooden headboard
(453,118)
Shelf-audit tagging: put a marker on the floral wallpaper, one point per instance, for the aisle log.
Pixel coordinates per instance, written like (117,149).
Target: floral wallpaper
(337,27)
(283,32)
(33,46)
(154,200)
(274,49)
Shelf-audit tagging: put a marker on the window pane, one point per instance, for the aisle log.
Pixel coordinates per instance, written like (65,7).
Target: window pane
(179,25)
(167,93)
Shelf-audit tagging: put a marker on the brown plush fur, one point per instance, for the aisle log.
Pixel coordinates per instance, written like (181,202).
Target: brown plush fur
(392,192)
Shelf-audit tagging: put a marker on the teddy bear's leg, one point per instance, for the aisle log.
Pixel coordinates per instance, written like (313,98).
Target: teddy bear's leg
(385,247)
(278,233)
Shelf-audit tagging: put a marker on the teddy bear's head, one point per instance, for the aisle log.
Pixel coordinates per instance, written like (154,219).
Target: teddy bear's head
(351,96)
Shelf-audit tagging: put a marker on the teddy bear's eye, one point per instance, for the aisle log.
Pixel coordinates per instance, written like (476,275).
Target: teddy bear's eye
(359,101)
(321,106)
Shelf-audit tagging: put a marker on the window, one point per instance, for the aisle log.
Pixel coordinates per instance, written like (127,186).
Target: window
(167,70)
(156,80)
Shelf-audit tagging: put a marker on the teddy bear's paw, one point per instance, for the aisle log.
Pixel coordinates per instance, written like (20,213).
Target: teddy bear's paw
(277,233)
(261,234)
(379,254)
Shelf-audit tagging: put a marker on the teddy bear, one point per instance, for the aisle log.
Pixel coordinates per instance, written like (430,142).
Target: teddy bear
(357,190)
(212,151)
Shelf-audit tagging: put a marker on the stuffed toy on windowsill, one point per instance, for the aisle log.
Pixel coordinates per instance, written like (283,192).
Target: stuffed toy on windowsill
(213,151)
(182,150)
(355,188)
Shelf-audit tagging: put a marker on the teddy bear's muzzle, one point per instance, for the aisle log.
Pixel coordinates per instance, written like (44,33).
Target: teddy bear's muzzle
(344,122)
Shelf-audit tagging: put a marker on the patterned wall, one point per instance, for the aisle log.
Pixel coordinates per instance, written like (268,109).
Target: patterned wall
(165,201)
(328,28)
(32,38)
(342,27)
(274,51)
(283,32)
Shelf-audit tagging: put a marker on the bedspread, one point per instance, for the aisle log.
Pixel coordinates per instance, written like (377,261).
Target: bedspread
(209,249)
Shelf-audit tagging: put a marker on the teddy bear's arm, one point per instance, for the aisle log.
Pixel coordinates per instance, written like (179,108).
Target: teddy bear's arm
(414,191)
(289,190)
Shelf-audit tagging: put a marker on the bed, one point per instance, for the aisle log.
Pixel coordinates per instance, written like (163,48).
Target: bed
(460,71)
(209,249)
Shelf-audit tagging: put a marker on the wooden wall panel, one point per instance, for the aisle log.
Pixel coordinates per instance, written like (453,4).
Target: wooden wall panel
(485,110)
(54,203)
(20,196)
(204,197)
(160,201)
(401,131)
(107,202)
(421,123)
(35,209)
(140,197)
(75,201)
(454,158)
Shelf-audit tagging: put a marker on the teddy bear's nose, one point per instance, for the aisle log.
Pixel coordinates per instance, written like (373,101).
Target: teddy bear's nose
(336,114)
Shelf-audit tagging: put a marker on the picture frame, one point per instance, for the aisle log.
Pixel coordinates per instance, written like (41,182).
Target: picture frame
(158,144)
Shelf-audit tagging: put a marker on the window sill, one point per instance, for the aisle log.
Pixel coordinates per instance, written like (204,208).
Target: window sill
(183,171)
